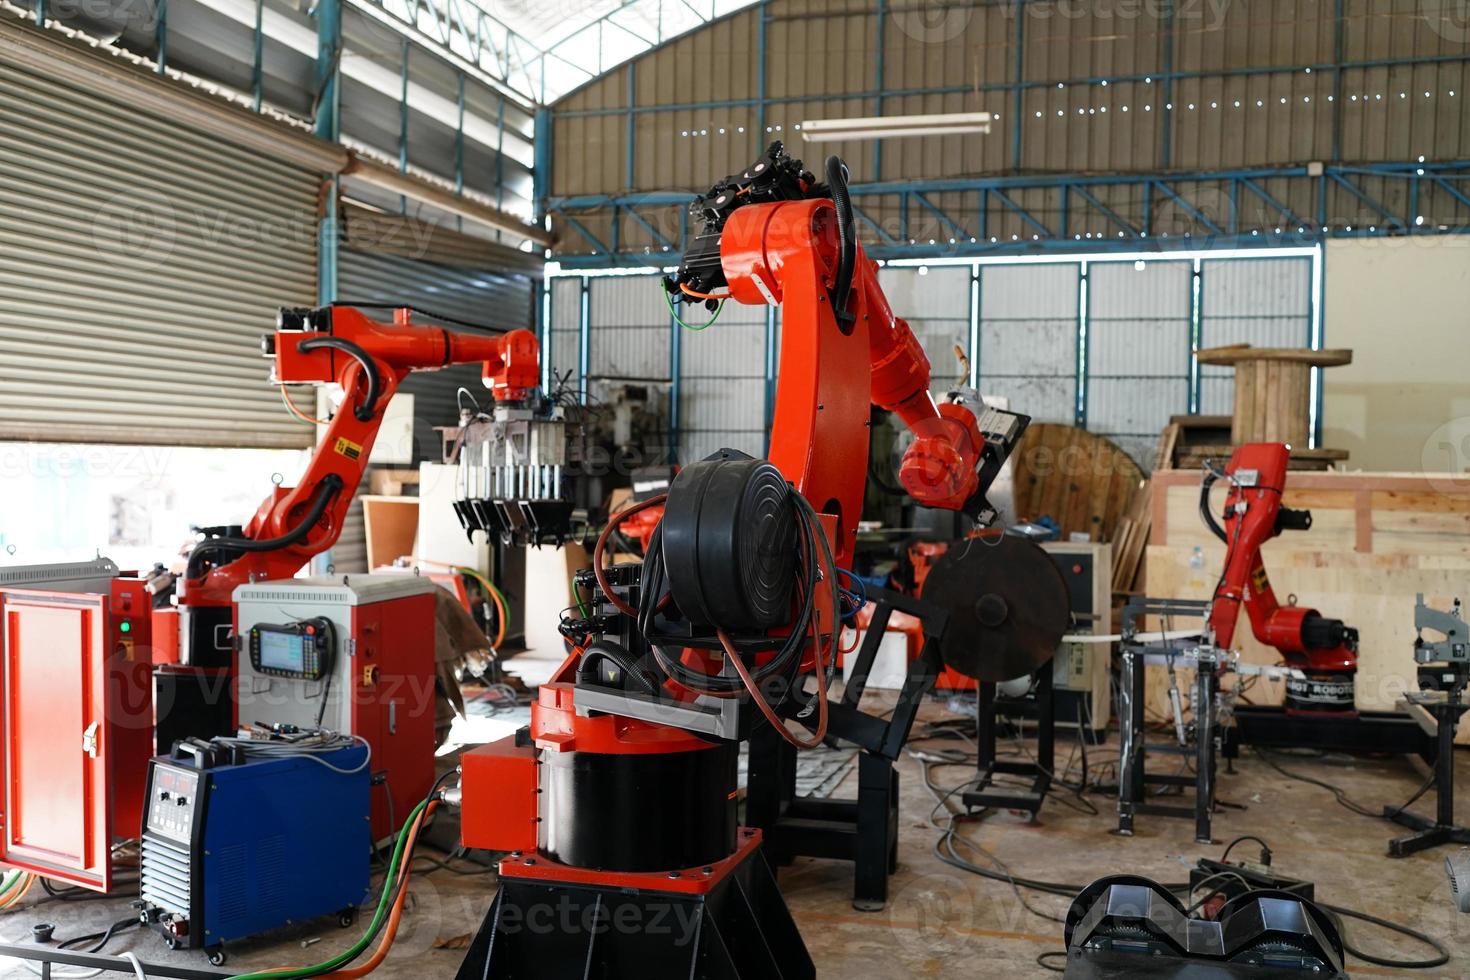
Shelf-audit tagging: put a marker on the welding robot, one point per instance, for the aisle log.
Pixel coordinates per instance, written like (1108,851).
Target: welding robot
(370,658)
(1320,709)
(617,804)
(1324,650)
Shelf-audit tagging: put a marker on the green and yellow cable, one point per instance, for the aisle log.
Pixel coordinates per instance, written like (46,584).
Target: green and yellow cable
(501,603)
(669,298)
(581,603)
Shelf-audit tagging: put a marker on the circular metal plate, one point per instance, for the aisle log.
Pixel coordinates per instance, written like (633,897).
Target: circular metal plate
(1007,603)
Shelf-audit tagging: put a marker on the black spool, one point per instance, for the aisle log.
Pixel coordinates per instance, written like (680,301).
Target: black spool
(729,543)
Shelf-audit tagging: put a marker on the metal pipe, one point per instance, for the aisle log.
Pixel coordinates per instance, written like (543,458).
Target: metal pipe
(48,955)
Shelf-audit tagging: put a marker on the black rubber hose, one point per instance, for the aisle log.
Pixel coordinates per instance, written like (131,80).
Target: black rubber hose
(1205,513)
(331,485)
(369,406)
(846,236)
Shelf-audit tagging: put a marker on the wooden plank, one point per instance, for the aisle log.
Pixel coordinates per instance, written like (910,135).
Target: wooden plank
(392,525)
(1448,485)
(1201,421)
(1078,478)
(1168,443)
(1239,353)
(1363,515)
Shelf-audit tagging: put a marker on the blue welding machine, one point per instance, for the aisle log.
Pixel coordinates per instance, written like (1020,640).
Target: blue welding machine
(236,843)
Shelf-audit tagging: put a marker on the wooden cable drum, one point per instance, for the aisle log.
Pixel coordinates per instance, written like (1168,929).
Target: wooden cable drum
(1273,385)
(1079,479)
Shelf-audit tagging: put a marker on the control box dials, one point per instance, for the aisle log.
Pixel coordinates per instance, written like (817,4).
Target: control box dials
(299,651)
(171,808)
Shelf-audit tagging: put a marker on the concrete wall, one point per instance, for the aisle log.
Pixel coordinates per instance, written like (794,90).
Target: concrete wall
(1403,306)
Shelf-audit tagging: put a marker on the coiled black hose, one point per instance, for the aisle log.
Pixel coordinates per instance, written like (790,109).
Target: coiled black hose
(331,485)
(846,236)
(369,406)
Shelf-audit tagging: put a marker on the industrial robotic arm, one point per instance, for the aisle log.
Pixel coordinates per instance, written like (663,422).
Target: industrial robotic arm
(774,235)
(369,359)
(1324,650)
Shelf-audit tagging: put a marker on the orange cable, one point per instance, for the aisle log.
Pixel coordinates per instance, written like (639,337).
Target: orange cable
(697,295)
(286,397)
(30,881)
(390,930)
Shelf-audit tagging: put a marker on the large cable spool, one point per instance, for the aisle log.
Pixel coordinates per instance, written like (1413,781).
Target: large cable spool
(729,543)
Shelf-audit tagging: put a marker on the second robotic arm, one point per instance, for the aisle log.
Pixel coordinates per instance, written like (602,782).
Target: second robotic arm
(1324,650)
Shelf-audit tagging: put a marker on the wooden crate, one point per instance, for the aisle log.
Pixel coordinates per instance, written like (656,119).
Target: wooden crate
(1376,541)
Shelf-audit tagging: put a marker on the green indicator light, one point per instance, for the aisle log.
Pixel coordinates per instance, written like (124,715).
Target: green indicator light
(126,626)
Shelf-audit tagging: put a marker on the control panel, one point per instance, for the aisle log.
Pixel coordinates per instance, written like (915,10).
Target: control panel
(172,802)
(299,651)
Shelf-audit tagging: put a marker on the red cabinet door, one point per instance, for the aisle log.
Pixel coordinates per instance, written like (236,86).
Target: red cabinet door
(57,818)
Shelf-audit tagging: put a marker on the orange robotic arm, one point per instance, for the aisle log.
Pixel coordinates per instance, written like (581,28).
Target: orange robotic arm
(369,360)
(1324,650)
(793,246)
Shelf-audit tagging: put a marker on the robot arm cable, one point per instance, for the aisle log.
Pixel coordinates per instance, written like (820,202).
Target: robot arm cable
(369,406)
(847,238)
(331,485)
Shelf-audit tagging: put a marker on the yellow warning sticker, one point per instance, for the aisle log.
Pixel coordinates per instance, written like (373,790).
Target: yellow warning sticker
(348,448)
(1259,579)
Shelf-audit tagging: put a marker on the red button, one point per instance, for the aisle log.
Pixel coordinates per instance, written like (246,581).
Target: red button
(310,630)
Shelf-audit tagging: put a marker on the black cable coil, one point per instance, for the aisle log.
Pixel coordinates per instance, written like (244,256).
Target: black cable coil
(729,538)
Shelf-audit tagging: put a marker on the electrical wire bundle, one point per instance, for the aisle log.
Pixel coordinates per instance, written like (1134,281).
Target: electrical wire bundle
(492,591)
(854,599)
(14,887)
(313,744)
(951,843)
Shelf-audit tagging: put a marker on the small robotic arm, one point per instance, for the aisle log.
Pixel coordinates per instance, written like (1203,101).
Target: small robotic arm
(1324,650)
(369,360)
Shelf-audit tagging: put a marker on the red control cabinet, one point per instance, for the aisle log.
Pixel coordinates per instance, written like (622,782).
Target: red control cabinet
(76,713)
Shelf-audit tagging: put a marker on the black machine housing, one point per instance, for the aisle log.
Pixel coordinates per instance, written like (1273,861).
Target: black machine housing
(1127,926)
(775,176)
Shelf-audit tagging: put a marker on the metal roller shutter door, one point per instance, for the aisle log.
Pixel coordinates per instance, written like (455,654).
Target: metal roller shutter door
(140,263)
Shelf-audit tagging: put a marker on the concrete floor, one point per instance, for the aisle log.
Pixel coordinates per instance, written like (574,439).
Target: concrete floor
(942,922)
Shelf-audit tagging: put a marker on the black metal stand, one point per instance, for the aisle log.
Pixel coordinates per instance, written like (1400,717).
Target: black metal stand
(862,830)
(1390,732)
(1442,829)
(1030,799)
(1133,776)
(740,930)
